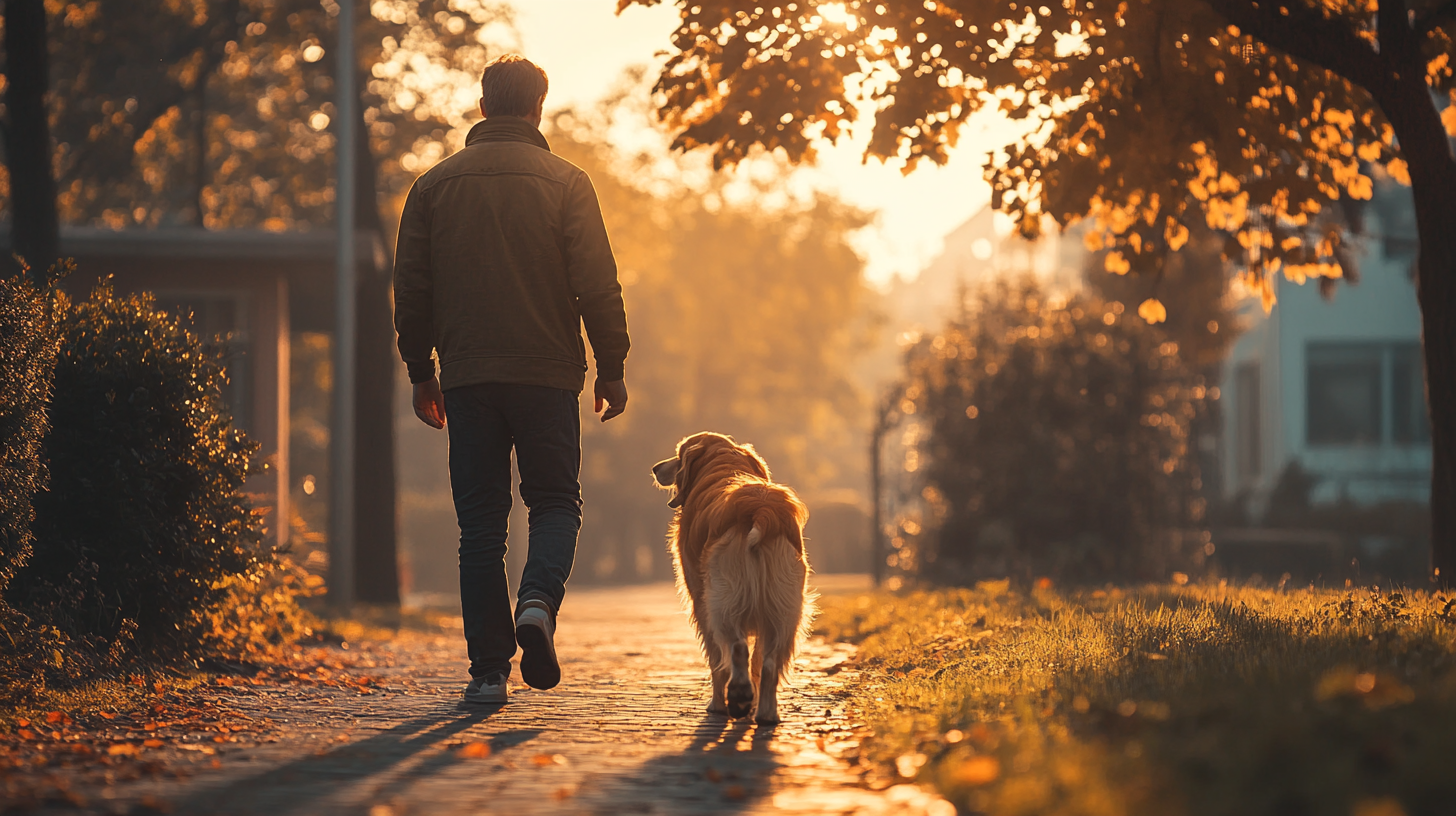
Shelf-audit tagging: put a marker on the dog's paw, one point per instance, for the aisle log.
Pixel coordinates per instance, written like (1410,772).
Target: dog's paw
(740,699)
(718,708)
(768,718)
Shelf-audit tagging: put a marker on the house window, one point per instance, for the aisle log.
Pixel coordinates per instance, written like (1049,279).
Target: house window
(1409,425)
(1365,394)
(1246,421)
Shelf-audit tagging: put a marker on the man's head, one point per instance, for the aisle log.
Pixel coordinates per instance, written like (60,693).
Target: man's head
(512,85)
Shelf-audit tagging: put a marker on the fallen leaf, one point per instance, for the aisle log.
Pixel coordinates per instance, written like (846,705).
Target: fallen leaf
(978,770)
(475,750)
(122,749)
(542,760)
(153,743)
(23,723)
(54,717)
(151,726)
(106,715)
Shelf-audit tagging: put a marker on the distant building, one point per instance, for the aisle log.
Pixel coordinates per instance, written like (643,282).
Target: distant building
(1335,384)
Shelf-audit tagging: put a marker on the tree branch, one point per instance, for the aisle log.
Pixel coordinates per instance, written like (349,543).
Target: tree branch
(1305,34)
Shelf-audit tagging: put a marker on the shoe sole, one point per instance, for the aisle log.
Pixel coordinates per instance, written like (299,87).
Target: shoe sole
(538,655)
(487,699)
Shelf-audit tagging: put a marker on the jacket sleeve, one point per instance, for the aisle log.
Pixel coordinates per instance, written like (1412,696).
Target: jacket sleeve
(592,272)
(414,307)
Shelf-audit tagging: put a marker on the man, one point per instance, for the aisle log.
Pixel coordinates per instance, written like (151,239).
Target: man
(502,257)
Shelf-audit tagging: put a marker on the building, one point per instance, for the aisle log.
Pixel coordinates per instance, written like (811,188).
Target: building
(1335,383)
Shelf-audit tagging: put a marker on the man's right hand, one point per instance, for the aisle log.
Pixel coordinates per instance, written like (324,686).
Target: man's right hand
(613,395)
(430,403)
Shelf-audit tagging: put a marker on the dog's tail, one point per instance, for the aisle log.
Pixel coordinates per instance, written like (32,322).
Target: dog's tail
(769,511)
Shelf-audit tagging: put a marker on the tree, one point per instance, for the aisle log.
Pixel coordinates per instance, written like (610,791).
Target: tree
(217,113)
(1150,117)
(36,235)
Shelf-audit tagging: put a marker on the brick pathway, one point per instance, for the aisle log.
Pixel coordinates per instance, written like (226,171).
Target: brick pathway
(624,733)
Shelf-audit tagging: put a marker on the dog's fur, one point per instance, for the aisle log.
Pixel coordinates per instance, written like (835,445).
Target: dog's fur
(737,543)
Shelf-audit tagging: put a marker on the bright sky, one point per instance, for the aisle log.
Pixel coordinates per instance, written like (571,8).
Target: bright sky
(584,47)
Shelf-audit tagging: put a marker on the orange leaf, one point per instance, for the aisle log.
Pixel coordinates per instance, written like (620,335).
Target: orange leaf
(475,750)
(151,726)
(122,749)
(106,715)
(54,717)
(1153,311)
(27,734)
(153,743)
(978,770)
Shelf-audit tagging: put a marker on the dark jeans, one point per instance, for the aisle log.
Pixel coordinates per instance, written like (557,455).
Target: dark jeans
(544,427)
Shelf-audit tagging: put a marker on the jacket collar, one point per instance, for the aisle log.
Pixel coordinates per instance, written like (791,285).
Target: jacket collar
(506,129)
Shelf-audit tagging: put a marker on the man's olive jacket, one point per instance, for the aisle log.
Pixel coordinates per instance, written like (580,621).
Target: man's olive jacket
(502,257)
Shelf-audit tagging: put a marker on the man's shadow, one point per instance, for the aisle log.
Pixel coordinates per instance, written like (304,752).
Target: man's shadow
(298,786)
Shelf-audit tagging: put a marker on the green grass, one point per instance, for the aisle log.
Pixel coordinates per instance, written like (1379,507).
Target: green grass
(1160,700)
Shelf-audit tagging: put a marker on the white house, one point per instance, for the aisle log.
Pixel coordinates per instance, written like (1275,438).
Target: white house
(1335,384)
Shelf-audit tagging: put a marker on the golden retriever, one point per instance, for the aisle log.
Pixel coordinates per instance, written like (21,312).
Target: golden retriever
(737,543)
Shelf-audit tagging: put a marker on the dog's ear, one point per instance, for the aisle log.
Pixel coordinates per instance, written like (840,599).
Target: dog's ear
(665,472)
(685,458)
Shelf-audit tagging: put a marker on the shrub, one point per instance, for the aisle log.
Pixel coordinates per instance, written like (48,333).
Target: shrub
(1051,438)
(28,343)
(144,522)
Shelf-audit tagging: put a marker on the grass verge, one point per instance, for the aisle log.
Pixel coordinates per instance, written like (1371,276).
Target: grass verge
(1160,700)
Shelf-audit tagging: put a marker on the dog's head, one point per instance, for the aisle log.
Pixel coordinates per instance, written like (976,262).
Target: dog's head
(699,453)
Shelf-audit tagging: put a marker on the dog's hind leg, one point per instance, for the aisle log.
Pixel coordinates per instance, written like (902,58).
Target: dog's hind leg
(740,682)
(768,691)
(719,671)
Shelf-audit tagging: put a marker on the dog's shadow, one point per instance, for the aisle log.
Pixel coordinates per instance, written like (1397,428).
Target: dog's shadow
(727,767)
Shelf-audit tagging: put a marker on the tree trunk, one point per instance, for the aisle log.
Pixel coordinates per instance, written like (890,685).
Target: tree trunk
(34,228)
(1427,150)
(376,559)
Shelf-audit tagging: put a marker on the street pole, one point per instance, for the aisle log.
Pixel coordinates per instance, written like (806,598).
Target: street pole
(341,436)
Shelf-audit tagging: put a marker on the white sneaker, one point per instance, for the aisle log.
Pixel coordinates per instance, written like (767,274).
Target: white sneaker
(535,634)
(488,690)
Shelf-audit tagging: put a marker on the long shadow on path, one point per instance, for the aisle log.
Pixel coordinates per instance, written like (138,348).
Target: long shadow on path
(394,757)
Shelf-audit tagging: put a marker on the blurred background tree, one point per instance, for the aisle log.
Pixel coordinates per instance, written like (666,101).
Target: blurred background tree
(1048,435)
(218,113)
(1152,118)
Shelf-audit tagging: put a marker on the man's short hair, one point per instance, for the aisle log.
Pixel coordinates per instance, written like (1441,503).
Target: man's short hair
(512,85)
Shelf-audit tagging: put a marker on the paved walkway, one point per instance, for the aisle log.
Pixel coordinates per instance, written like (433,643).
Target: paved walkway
(624,733)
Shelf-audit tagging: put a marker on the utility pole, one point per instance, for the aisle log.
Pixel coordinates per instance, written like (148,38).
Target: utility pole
(885,419)
(341,435)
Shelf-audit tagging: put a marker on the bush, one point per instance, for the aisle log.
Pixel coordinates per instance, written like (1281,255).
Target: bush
(1052,439)
(28,343)
(144,522)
